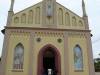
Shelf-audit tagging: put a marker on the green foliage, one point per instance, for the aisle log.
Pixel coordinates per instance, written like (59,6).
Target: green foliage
(97,64)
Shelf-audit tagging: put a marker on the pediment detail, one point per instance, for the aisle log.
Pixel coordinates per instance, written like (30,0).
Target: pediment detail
(57,16)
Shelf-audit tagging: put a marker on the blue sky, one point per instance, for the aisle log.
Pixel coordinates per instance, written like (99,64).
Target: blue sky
(92,8)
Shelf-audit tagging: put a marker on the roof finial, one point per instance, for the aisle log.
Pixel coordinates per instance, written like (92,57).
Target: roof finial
(83,8)
(12,5)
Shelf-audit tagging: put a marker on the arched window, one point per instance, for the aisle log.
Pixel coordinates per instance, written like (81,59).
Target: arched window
(18,57)
(16,20)
(67,19)
(23,18)
(80,23)
(74,23)
(60,16)
(78,58)
(30,17)
(37,16)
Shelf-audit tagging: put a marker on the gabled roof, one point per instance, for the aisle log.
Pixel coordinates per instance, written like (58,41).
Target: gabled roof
(28,8)
(69,10)
(41,3)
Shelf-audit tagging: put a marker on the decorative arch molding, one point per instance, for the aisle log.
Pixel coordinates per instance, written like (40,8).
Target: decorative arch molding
(57,59)
(60,16)
(37,16)
(58,34)
(80,23)
(20,44)
(74,22)
(30,17)
(67,19)
(16,20)
(23,18)
(77,34)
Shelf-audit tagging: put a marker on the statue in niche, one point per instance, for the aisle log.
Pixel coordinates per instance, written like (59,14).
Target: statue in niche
(49,8)
(78,60)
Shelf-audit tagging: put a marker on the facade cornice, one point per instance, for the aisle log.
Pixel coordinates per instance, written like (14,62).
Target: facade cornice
(52,29)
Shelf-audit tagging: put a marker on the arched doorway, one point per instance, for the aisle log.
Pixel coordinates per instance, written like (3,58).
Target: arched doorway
(49,58)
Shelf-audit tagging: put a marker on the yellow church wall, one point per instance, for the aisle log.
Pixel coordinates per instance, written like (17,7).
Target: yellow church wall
(44,41)
(24,39)
(82,42)
(13,41)
(47,37)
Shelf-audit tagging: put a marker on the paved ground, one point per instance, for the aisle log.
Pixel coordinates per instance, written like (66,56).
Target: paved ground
(97,73)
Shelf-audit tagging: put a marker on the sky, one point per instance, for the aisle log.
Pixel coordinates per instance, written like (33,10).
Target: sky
(92,8)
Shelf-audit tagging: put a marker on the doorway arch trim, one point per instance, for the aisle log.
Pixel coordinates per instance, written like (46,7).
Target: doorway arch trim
(57,59)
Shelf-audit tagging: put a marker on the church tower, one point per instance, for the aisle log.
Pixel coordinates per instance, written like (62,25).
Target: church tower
(47,39)
(10,13)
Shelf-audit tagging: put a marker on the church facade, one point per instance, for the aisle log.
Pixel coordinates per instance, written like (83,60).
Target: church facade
(47,39)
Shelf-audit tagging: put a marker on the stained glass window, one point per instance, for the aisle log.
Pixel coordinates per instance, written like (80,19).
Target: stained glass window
(78,58)
(18,57)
